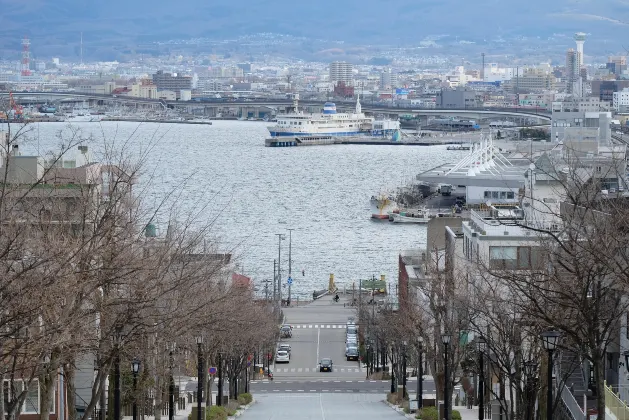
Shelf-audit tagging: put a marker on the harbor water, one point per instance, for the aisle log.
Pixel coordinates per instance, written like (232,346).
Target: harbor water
(253,192)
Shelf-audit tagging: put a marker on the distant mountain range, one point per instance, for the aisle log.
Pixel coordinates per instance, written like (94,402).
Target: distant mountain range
(111,27)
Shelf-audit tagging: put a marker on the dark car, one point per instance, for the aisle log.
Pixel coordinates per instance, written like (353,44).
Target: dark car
(325,365)
(351,353)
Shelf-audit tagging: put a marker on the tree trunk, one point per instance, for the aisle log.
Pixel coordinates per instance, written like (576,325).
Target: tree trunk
(2,393)
(599,380)
(157,407)
(70,390)
(47,387)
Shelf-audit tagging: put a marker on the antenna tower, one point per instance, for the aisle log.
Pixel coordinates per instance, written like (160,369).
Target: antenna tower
(81,48)
(26,56)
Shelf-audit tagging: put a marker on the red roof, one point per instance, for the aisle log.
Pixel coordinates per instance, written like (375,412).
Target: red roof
(240,280)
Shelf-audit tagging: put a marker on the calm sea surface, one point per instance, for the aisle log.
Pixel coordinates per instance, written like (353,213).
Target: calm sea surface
(252,192)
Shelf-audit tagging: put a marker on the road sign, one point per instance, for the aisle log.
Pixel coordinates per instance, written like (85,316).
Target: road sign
(212,371)
(249,357)
(290,280)
(248,364)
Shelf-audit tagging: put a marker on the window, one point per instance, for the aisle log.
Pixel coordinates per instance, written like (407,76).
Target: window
(510,195)
(495,194)
(514,257)
(487,194)
(31,403)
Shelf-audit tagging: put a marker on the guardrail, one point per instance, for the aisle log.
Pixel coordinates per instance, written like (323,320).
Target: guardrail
(615,405)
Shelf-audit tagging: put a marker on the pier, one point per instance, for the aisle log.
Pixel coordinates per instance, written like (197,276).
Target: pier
(290,141)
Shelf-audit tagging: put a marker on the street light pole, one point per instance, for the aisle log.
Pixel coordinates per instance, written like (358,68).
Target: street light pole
(290,260)
(392,372)
(420,374)
(404,370)
(368,359)
(280,238)
(481,378)
(220,380)
(135,367)
(445,339)
(200,374)
(118,339)
(550,340)
(171,386)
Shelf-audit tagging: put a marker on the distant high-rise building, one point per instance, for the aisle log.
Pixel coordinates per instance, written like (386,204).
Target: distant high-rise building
(572,70)
(579,38)
(340,71)
(246,67)
(388,79)
(174,82)
(617,64)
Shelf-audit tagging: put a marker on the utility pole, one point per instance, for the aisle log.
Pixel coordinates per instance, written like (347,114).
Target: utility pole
(290,260)
(274,281)
(280,238)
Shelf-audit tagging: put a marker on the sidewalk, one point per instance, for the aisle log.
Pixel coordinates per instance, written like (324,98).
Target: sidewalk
(467,413)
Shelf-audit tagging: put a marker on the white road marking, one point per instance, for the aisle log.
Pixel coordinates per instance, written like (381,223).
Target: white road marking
(321,406)
(309,326)
(299,369)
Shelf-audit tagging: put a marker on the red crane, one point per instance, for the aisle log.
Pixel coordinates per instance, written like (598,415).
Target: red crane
(17,109)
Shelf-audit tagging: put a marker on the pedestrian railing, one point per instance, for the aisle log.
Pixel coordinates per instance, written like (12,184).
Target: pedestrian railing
(571,404)
(615,405)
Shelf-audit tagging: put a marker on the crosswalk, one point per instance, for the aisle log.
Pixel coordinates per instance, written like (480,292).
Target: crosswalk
(305,326)
(315,369)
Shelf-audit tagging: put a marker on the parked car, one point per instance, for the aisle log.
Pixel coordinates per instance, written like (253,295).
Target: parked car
(352,329)
(351,353)
(325,365)
(282,356)
(285,347)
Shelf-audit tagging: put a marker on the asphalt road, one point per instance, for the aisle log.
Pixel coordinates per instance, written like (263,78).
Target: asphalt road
(318,332)
(335,385)
(319,406)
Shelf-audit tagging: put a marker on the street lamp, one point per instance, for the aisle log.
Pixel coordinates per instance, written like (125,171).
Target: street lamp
(404,344)
(200,373)
(445,339)
(368,359)
(117,341)
(550,340)
(420,373)
(135,368)
(220,378)
(392,372)
(481,344)
(530,367)
(171,385)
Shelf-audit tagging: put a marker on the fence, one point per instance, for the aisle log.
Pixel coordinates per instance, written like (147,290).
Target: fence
(614,404)
(571,404)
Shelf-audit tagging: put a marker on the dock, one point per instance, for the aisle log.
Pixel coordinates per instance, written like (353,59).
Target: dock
(290,141)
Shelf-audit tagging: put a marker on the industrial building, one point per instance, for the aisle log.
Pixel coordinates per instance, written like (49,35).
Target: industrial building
(168,81)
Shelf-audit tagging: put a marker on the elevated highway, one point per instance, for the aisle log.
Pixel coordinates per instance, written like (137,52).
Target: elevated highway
(100,99)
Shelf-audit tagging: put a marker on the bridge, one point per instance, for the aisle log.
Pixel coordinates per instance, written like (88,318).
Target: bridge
(540,115)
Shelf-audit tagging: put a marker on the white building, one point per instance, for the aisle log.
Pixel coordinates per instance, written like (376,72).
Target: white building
(621,100)
(388,79)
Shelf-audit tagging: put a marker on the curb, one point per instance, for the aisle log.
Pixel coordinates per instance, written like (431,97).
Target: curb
(242,409)
(399,410)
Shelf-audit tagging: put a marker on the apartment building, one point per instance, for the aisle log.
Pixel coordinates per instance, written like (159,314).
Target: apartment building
(341,71)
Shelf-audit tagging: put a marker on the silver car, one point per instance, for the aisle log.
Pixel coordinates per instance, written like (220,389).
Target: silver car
(282,356)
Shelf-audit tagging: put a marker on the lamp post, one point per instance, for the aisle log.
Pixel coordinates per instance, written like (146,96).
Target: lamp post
(200,374)
(420,373)
(371,355)
(530,368)
(135,368)
(481,345)
(290,243)
(550,340)
(220,380)
(280,238)
(445,339)
(117,340)
(392,372)
(368,359)
(171,384)
(404,344)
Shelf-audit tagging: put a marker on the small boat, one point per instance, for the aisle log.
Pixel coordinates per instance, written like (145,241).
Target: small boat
(411,216)
(381,206)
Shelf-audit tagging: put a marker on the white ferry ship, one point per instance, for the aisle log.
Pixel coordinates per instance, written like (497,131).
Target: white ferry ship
(331,123)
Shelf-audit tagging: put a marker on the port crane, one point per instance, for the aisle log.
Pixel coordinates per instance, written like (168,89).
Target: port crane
(18,111)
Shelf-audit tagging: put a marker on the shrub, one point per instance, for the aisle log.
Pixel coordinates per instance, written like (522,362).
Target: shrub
(245,398)
(216,413)
(392,398)
(456,415)
(429,413)
(232,407)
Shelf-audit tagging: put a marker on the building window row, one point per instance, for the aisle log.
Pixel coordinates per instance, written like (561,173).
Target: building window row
(514,257)
(500,195)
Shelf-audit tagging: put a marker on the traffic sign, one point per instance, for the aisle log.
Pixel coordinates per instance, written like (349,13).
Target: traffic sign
(249,357)
(212,371)
(290,280)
